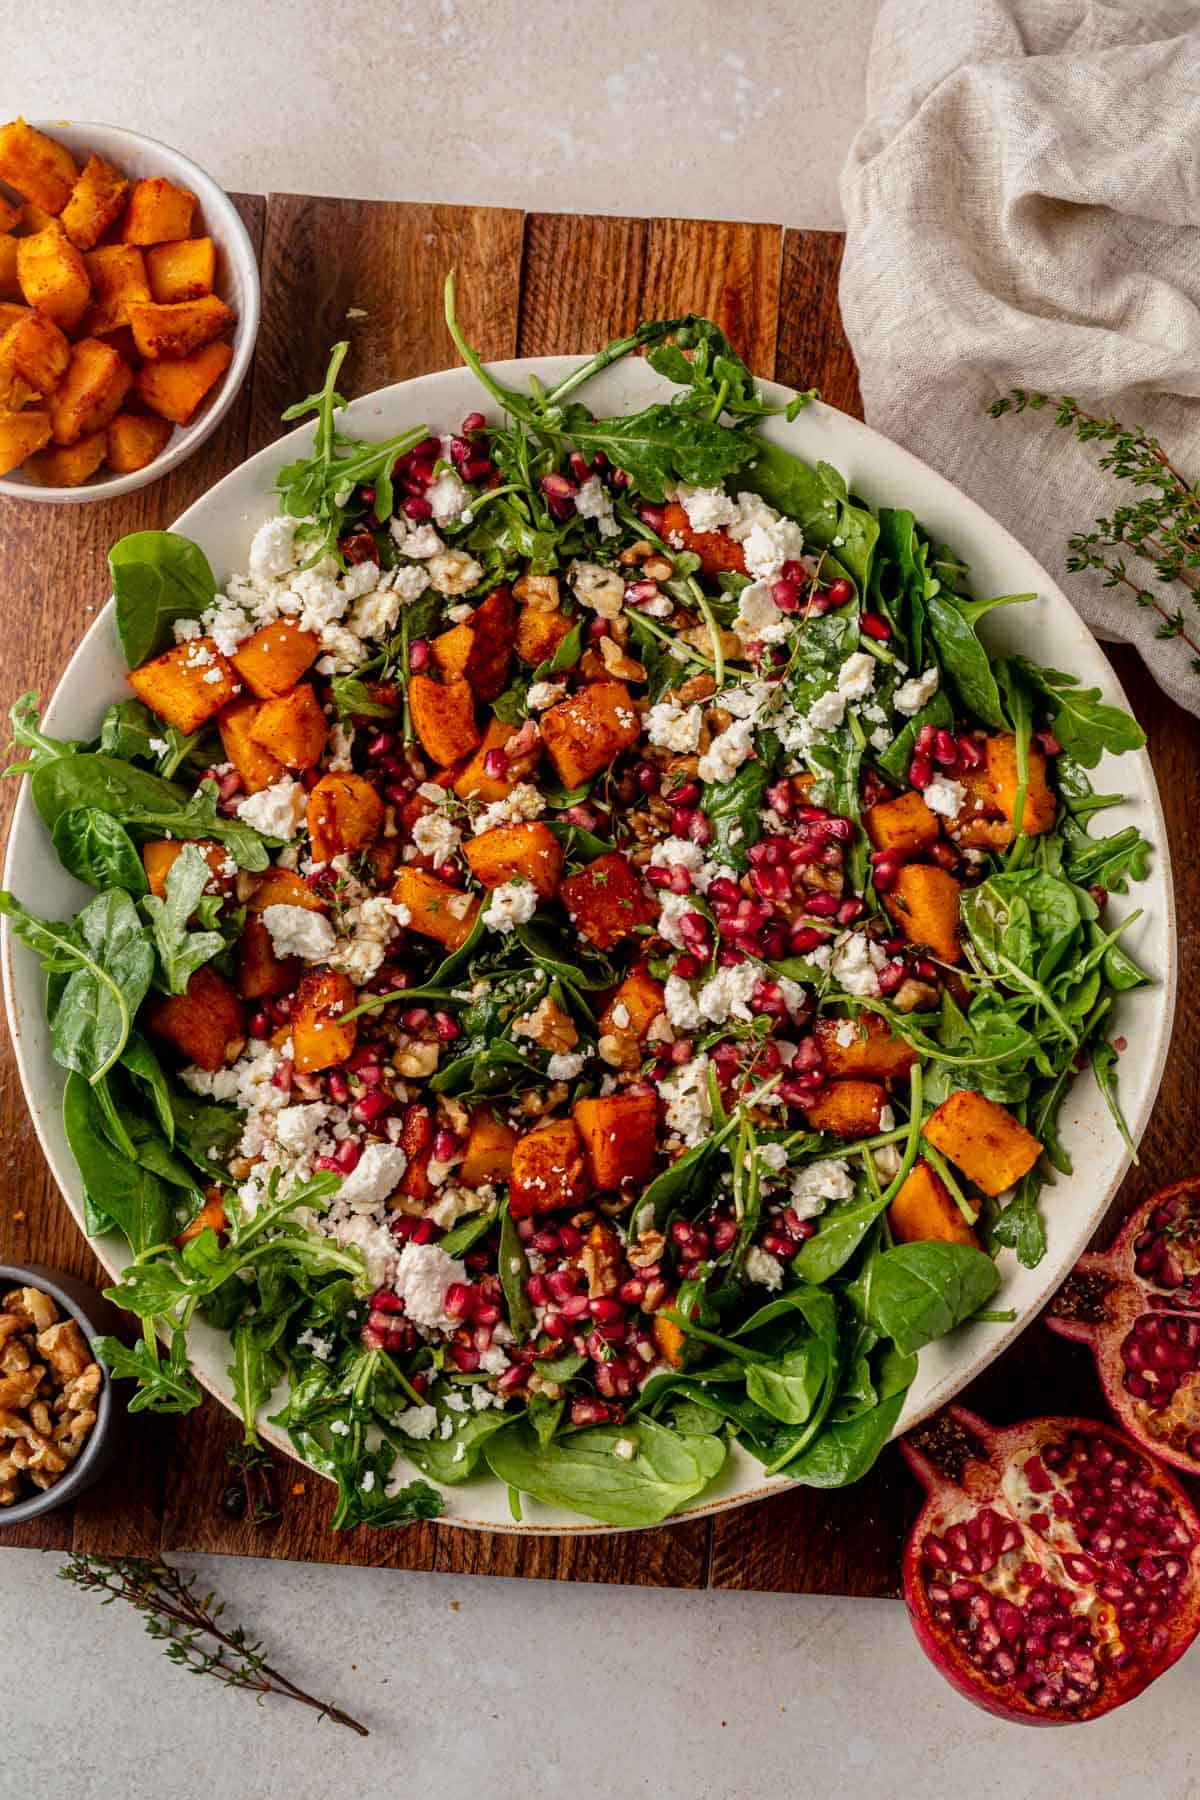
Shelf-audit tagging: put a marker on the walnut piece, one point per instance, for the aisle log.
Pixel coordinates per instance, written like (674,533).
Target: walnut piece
(49,1392)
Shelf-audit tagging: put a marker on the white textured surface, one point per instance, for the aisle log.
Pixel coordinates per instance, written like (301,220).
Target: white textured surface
(516,1690)
(702,110)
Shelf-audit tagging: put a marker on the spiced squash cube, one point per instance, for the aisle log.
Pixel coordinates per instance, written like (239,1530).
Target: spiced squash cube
(538,634)
(548,1170)
(631,1011)
(984,1140)
(606,901)
(10,287)
(472,782)
(68,465)
(174,390)
(344,814)
(925,1209)
(292,728)
(261,974)
(719,553)
(436,910)
(52,276)
(848,1109)
(529,849)
(96,382)
(924,905)
(905,824)
(96,202)
(21,434)
(36,165)
(862,1046)
(489,1150)
(35,350)
(187,685)
(1003,781)
(117,273)
(256,766)
(135,439)
(205,1024)
(321,1036)
(160,854)
(589,731)
(443,716)
(180,328)
(620,1137)
(272,661)
(184,270)
(158,212)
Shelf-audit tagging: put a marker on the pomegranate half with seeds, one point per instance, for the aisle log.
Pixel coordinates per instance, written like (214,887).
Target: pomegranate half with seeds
(1138,1306)
(1054,1570)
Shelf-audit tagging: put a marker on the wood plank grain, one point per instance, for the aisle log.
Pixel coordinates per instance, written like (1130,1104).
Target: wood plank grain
(811,1542)
(813,351)
(581,281)
(675,1557)
(729,272)
(372,271)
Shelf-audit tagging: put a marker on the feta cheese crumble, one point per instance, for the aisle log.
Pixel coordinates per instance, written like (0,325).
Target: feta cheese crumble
(915,693)
(945,796)
(512,903)
(295,931)
(277,810)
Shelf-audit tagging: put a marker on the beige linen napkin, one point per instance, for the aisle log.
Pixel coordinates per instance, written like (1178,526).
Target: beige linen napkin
(1023,210)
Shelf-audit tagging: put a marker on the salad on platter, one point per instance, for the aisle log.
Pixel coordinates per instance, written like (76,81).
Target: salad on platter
(587,954)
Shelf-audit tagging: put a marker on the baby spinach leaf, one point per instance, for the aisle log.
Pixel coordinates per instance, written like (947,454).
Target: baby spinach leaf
(514,1271)
(921,1291)
(847,1448)
(733,809)
(133,1199)
(107,960)
(965,662)
(180,951)
(453,1459)
(584,1471)
(158,577)
(839,1233)
(468,1232)
(818,500)
(789,1389)
(97,850)
(143,802)
(140,1062)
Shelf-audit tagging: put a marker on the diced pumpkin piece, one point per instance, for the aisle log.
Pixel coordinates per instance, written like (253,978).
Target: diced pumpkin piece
(925,1208)
(443,715)
(292,728)
(273,660)
(158,859)
(436,910)
(451,652)
(588,732)
(256,766)
(473,781)
(178,329)
(605,901)
(21,434)
(620,1137)
(96,382)
(15,394)
(10,287)
(862,1046)
(52,276)
(489,1152)
(182,271)
(416,1141)
(847,1108)
(158,211)
(68,465)
(493,630)
(623,1024)
(718,552)
(118,276)
(205,1024)
(904,824)
(979,824)
(187,685)
(528,849)
(538,634)
(344,814)
(669,1340)
(924,904)
(95,203)
(175,389)
(39,168)
(320,1036)
(261,974)
(1040,804)
(548,1170)
(36,350)
(211,1217)
(135,439)
(982,1139)
(283,887)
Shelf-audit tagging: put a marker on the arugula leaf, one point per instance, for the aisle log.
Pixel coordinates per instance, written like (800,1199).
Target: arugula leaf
(1084,724)
(658,445)
(157,577)
(162,1387)
(733,808)
(1019,1225)
(180,951)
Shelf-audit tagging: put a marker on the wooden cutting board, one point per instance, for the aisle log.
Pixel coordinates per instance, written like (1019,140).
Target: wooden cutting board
(529,285)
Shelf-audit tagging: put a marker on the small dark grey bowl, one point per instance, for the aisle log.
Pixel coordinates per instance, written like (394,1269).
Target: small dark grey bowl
(96,1317)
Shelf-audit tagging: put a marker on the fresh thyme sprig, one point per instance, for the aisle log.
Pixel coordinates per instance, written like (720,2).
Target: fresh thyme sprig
(1162,526)
(182,1620)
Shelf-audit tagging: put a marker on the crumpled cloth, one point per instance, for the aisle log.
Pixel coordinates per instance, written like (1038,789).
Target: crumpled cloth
(1023,210)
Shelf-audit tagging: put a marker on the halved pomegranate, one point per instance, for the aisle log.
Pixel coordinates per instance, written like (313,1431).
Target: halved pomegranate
(1054,1570)
(1138,1306)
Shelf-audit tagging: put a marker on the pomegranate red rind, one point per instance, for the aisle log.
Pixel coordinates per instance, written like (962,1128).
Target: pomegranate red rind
(1054,1570)
(1138,1307)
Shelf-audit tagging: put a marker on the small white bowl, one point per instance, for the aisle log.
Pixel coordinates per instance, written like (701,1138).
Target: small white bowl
(237,284)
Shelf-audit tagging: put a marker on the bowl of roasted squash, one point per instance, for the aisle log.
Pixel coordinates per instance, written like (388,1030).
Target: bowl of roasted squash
(129,304)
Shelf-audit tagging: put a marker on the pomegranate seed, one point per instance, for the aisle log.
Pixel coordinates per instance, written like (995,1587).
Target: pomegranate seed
(839,591)
(445,1146)
(885,870)
(875,627)
(464,1358)
(646,776)
(458,1300)
(416,508)
(585,1411)
(260,1024)
(632,1292)
(447,1028)
(606,1311)
(569,1236)
(373,1105)
(418,654)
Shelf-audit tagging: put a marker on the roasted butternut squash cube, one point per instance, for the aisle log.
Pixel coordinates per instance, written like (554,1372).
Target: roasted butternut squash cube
(473,782)
(451,652)
(669,1340)
(983,1139)
(620,1137)
(344,814)
(606,901)
(623,1024)
(117,273)
(10,287)
(718,552)
(183,270)
(260,973)
(159,855)
(158,212)
(21,434)
(68,465)
(135,439)
(979,823)
(292,728)
(849,1109)
(210,1217)
(13,311)
(36,350)
(283,887)
(256,766)
(528,849)
(96,382)
(904,824)
(436,910)
(548,1170)
(588,732)
(443,716)
(491,631)
(178,329)
(924,904)
(187,685)
(205,1025)
(39,168)
(273,660)
(1040,804)
(96,202)
(862,1046)
(321,1037)
(52,276)
(416,1141)
(489,1152)
(538,634)
(175,389)
(925,1208)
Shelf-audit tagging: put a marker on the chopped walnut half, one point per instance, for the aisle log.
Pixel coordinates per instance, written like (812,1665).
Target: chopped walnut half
(549,1026)
(49,1389)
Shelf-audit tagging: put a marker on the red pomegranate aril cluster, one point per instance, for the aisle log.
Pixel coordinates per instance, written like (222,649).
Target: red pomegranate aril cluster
(938,749)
